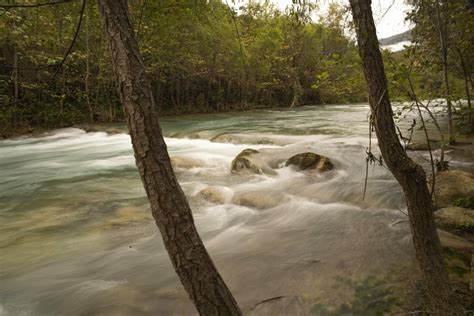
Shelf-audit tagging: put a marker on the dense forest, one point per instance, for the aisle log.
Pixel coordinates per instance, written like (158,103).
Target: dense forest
(208,56)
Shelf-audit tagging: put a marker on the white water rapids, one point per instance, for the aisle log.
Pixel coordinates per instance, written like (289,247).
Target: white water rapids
(77,237)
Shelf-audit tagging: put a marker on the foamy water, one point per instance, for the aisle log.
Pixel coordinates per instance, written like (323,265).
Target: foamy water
(77,237)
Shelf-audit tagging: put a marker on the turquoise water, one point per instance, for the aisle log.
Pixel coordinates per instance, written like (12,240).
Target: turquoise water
(77,237)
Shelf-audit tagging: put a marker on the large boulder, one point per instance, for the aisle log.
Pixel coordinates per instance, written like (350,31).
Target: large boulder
(259,199)
(451,185)
(310,161)
(249,161)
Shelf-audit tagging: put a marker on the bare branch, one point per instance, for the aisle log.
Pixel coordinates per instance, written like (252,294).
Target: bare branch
(79,23)
(36,5)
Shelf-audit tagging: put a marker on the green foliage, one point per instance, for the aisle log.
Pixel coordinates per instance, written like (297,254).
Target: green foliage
(200,56)
(451,253)
(371,297)
(465,202)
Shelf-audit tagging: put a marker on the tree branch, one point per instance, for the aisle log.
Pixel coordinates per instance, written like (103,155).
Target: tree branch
(79,23)
(36,5)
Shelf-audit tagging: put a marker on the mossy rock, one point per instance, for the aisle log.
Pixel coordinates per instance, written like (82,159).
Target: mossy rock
(242,163)
(455,219)
(452,185)
(310,161)
(214,194)
(250,161)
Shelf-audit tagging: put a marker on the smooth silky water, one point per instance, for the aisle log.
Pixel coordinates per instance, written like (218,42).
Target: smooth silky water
(77,237)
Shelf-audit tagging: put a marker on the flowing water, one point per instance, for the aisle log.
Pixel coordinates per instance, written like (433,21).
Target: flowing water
(77,237)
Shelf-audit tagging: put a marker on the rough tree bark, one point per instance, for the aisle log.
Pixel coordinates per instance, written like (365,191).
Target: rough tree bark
(411,176)
(169,206)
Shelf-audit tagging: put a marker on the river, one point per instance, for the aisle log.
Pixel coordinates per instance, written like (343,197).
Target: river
(77,237)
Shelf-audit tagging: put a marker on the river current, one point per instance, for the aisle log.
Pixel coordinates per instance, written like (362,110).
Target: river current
(77,237)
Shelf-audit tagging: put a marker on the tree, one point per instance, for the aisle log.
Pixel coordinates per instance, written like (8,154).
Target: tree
(169,206)
(443,34)
(411,176)
(441,25)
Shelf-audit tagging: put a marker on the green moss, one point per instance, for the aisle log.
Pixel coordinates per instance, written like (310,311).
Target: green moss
(371,297)
(465,202)
(459,271)
(451,254)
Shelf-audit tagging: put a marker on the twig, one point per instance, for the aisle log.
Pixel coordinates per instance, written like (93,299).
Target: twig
(402,212)
(36,5)
(370,156)
(27,68)
(76,33)
(140,20)
(266,301)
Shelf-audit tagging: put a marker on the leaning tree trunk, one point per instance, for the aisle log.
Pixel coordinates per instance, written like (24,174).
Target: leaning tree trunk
(169,206)
(410,175)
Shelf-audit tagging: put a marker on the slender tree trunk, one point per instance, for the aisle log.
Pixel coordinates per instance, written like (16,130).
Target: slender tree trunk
(16,90)
(411,176)
(169,206)
(59,22)
(444,59)
(466,78)
(15,74)
(88,70)
(466,86)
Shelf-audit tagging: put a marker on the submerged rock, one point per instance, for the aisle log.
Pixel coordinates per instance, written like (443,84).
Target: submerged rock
(451,185)
(259,199)
(215,194)
(186,162)
(248,161)
(310,161)
(105,129)
(248,139)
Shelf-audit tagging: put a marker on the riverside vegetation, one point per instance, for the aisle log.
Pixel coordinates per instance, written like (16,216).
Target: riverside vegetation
(202,56)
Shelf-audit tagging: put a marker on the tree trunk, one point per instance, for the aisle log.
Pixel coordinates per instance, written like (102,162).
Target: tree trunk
(466,78)
(444,59)
(15,74)
(465,73)
(410,175)
(16,91)
(169,206)
(88,70)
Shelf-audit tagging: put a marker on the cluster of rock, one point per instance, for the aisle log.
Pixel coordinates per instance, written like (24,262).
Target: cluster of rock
(264,161)
(454,200)
(261,162)
(454,196)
